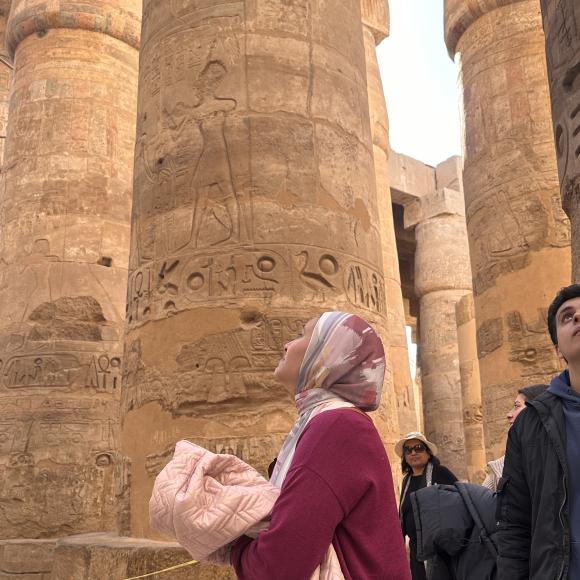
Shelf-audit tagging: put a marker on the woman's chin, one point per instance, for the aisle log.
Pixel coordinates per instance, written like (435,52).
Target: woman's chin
(277,373)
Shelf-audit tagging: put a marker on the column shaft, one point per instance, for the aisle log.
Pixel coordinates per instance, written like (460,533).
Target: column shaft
(519,235)
(64,241)
(470,389)
(5,82)
(562,32)
(442,278)
(255,209)
(376,25)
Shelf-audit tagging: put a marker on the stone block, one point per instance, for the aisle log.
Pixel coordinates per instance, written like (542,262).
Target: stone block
(107,556)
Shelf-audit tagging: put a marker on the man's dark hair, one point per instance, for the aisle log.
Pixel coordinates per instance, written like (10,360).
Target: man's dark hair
(533,391)
(406,468)
(565,294)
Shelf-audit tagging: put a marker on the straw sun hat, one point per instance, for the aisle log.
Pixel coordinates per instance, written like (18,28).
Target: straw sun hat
(414,435)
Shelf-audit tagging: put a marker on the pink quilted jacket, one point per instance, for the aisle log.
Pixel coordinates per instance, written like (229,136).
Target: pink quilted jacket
(206,501)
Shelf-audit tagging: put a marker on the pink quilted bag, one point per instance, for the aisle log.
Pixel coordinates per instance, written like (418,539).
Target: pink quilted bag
(206,501)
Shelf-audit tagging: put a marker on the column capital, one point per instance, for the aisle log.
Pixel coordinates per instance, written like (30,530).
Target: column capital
(438,203)
(461,14)
(376,17)
(121,20)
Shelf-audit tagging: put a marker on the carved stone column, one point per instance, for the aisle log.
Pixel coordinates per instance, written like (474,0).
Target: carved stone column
(6,67)
(375,15)
(64,245)
(442,278)
(562,32)
(255,209)
(470,389)
(518,233)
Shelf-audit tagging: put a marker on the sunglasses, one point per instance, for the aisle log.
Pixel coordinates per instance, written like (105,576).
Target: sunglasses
(419,448)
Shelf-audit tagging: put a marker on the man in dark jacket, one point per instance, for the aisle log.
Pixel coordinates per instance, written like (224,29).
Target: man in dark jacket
(538,502)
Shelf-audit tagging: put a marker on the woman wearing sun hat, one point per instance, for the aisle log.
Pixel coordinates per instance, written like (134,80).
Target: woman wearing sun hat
(421,468)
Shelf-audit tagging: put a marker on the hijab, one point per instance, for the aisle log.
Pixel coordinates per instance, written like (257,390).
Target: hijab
(344,366)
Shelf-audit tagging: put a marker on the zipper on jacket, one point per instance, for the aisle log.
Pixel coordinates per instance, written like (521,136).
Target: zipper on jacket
(561,574)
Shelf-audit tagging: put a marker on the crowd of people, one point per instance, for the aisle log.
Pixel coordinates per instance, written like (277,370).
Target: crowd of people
(336,487)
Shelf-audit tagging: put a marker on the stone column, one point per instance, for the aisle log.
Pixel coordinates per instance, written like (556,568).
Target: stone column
(255,209)
(375,15)
(562,32)
(518,232)
(5,77)
(470,389)
(64,245)
(442,278)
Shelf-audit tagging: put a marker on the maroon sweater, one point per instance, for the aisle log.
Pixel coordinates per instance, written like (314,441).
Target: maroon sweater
(339,489)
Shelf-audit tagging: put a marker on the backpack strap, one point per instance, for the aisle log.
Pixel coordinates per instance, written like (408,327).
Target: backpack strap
(468,501)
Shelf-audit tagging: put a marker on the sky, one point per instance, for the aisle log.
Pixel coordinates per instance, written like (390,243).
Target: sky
(420,82)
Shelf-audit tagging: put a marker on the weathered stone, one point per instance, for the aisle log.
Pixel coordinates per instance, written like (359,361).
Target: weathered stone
(255,208)
(470,389)
(99,556)
(442,278)
(26,559)
(376,26)
(5,77)
(562,32)
(65,215)
(518,232)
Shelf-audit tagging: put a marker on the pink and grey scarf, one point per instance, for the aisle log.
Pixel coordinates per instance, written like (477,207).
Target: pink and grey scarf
(344,366)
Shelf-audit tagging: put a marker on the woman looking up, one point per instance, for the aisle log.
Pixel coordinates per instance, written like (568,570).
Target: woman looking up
(335,478)
(421,468)
(496,466)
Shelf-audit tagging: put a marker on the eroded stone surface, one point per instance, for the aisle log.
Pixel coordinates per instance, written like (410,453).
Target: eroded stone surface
(562,31)
(26,559)
(375,17)
(442,278)
(5,78)
(255,208)
(64,246)
(99,556)
(519,234)
(470,389)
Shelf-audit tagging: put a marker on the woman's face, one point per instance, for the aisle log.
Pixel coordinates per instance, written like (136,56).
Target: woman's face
(289,366)
(519,406)
(416,454)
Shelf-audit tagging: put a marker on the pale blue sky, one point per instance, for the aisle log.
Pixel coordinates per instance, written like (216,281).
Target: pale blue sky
(420,82)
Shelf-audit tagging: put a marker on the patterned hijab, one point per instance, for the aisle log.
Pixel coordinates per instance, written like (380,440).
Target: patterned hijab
(344,366)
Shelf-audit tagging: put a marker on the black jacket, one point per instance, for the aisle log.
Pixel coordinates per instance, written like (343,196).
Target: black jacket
(440,475)
(455,531)
(532,505)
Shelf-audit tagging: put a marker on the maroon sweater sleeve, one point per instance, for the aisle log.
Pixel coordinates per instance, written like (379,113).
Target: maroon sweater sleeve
(331,471)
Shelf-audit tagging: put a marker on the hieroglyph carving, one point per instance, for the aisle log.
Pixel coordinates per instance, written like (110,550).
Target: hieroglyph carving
(257,451)
(524,224)
(57,464)
(305,273)
(58,347)
(531,347)
(562,28)
(225,368)
(529,343)
(191,193)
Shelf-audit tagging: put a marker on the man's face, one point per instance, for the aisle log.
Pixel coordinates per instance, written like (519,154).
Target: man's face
(568,329)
